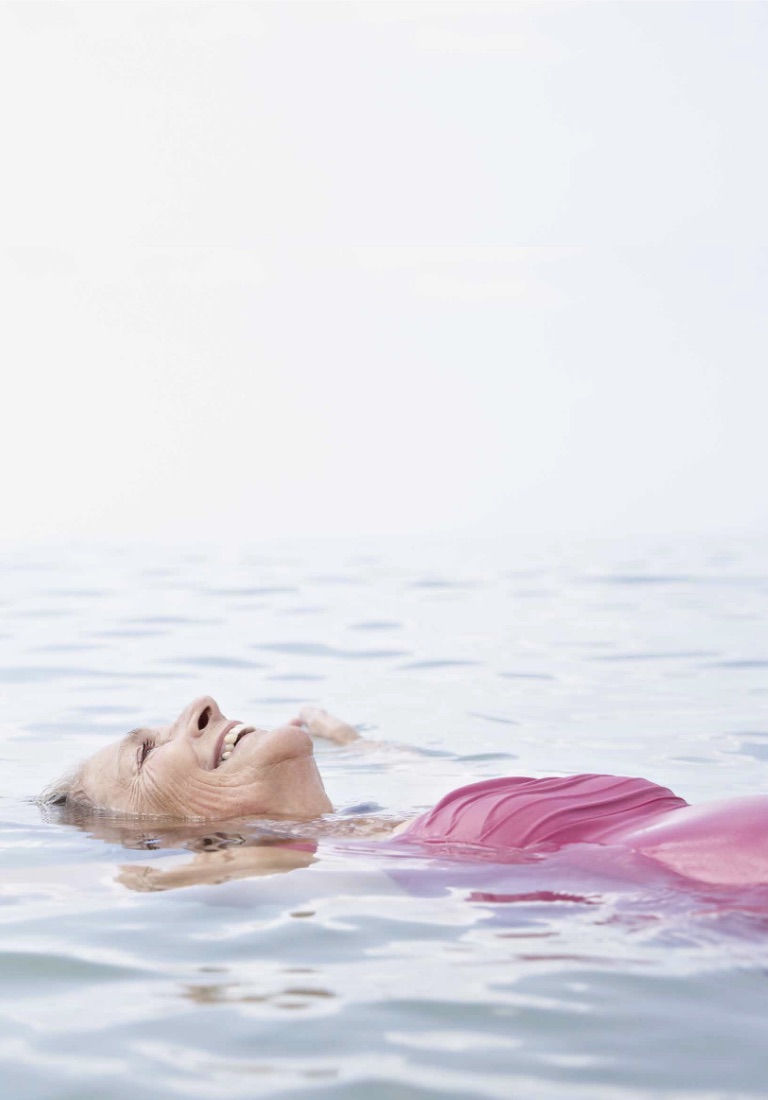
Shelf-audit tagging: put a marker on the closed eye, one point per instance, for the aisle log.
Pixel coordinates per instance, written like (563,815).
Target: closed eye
(143,751)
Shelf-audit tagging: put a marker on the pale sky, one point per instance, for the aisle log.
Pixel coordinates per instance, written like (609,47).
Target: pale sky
(371,269)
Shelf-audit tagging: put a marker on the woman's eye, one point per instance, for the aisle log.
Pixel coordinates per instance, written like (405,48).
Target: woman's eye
(144,751)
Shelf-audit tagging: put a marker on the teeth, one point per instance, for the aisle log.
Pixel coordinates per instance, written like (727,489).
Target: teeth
(229,740)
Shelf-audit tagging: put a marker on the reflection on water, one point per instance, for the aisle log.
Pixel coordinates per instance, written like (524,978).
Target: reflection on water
(243,958)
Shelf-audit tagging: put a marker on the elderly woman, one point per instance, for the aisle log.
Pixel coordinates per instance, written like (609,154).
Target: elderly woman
(207,767)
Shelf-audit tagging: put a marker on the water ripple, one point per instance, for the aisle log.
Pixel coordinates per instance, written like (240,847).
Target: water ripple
(213,661)
(320,649)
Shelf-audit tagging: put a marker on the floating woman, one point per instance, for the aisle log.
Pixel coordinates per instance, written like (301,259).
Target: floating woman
(205,767)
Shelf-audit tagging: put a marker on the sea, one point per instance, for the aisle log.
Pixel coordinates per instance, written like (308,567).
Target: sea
(352,969)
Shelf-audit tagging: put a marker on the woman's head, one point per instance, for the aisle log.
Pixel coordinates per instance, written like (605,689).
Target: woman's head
(202,766)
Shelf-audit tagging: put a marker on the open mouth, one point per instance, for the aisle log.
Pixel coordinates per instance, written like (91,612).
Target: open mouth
(230,741)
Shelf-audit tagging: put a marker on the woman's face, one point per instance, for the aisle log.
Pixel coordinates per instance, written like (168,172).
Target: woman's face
(206,766)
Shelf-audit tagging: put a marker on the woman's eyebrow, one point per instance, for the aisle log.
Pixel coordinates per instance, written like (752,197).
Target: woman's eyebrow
(131,738)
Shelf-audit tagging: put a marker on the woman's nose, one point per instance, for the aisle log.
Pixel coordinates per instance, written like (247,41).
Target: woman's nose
(201,714)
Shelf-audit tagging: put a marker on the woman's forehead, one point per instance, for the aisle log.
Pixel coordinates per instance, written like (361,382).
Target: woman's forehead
(106,765)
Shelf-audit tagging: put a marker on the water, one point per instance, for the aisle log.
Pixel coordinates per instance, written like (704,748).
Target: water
(364,972)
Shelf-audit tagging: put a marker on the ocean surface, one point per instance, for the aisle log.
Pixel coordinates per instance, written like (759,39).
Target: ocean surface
(355,970)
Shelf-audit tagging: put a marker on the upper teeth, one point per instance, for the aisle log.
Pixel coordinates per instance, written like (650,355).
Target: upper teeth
(229,740)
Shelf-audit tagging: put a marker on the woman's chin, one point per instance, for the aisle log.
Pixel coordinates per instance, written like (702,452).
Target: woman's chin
(265,750)
(287,742)
(279,777)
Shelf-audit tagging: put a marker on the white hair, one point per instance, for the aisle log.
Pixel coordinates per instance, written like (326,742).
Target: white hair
(66,791)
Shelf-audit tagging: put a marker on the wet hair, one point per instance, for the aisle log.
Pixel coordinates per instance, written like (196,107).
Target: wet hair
(57,794)
(65,792)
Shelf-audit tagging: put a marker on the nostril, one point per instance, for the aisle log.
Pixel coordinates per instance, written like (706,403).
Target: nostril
(204,718)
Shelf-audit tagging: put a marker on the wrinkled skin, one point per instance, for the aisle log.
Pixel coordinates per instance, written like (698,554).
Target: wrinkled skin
(177,772)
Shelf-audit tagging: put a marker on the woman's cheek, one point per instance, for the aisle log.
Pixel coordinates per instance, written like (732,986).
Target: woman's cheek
(159,776)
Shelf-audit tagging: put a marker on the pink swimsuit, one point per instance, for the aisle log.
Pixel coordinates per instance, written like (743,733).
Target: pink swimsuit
(518,812)
(718,842)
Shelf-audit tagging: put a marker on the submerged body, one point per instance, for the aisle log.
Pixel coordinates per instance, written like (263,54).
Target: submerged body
(206,767)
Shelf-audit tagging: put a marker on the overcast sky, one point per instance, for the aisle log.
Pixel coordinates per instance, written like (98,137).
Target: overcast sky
(398,268)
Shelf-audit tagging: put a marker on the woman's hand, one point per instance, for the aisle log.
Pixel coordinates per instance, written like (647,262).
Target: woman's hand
(320,723)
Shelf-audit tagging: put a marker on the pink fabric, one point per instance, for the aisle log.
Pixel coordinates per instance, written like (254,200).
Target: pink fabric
(518,812)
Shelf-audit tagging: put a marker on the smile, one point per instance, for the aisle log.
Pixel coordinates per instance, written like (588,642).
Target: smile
(231,738)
